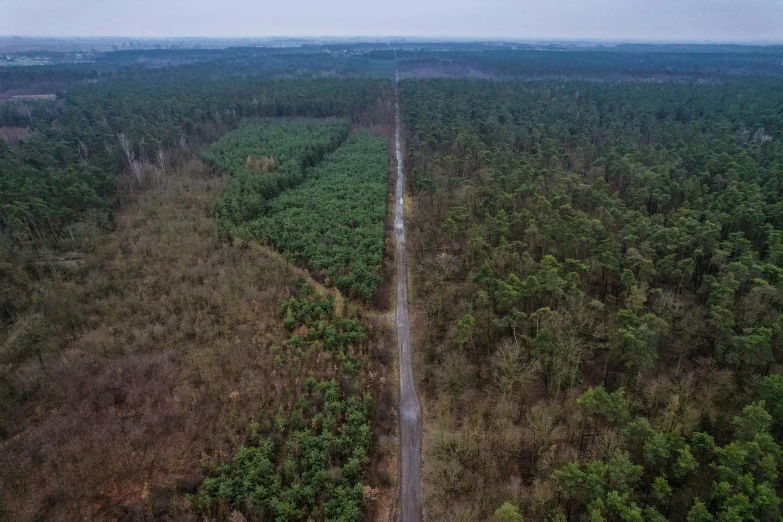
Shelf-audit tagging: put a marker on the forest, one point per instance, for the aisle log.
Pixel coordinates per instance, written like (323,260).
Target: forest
(626,62)
(265,159)
(124,127)
(335,219)
(301,187)
(598,275)
(194,253)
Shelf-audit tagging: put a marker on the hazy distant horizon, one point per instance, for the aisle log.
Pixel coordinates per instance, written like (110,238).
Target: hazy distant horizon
(399,39)
(631,21)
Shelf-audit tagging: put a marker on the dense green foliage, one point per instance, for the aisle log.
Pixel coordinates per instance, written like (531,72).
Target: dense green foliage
(689,192)
(626,233)
(140,94)
(308,464)
(163,110)
(675,186)
(691,475)
(294,144)
(286,150)
(335,219)
(326,209)
(38,195)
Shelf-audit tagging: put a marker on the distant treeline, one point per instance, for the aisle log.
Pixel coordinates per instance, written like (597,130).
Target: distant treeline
(378,59)
(629,62)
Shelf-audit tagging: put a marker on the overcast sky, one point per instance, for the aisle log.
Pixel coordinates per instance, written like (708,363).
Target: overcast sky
(677,20)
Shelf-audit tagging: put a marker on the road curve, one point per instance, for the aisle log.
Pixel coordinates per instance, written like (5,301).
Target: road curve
(410,408)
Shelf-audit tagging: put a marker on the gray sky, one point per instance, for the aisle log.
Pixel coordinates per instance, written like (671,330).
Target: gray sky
(678,20)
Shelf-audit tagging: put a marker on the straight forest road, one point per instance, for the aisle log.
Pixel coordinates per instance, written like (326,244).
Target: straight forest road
(410,408)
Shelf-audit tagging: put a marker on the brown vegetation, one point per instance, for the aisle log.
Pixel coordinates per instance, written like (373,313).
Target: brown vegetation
(151,354)
(493,430)
(261,164)
(12,135)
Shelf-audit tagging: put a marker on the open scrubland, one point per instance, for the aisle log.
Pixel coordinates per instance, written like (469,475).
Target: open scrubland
(153,357)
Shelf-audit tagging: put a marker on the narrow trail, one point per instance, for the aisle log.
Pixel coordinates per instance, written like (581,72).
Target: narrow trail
(410,408)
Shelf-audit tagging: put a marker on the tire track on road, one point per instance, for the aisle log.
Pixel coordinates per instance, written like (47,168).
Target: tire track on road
(410,408)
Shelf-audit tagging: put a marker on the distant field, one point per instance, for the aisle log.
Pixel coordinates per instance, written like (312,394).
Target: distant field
(24,63)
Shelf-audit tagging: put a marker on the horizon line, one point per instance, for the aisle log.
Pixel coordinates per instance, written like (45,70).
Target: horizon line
(413,39)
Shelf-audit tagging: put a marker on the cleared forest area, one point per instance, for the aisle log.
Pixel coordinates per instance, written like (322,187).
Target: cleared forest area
(144,347)
(308,459)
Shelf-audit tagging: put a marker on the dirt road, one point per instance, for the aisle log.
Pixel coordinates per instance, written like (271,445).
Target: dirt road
(410,408)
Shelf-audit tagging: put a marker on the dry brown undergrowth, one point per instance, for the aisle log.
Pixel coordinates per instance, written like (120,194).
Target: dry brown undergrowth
(169,360)
(173,321)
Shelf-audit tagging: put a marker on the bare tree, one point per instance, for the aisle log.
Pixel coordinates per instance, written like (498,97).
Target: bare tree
(161,158)
(510,368)
(27,113)
(84,151)
(134,164)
